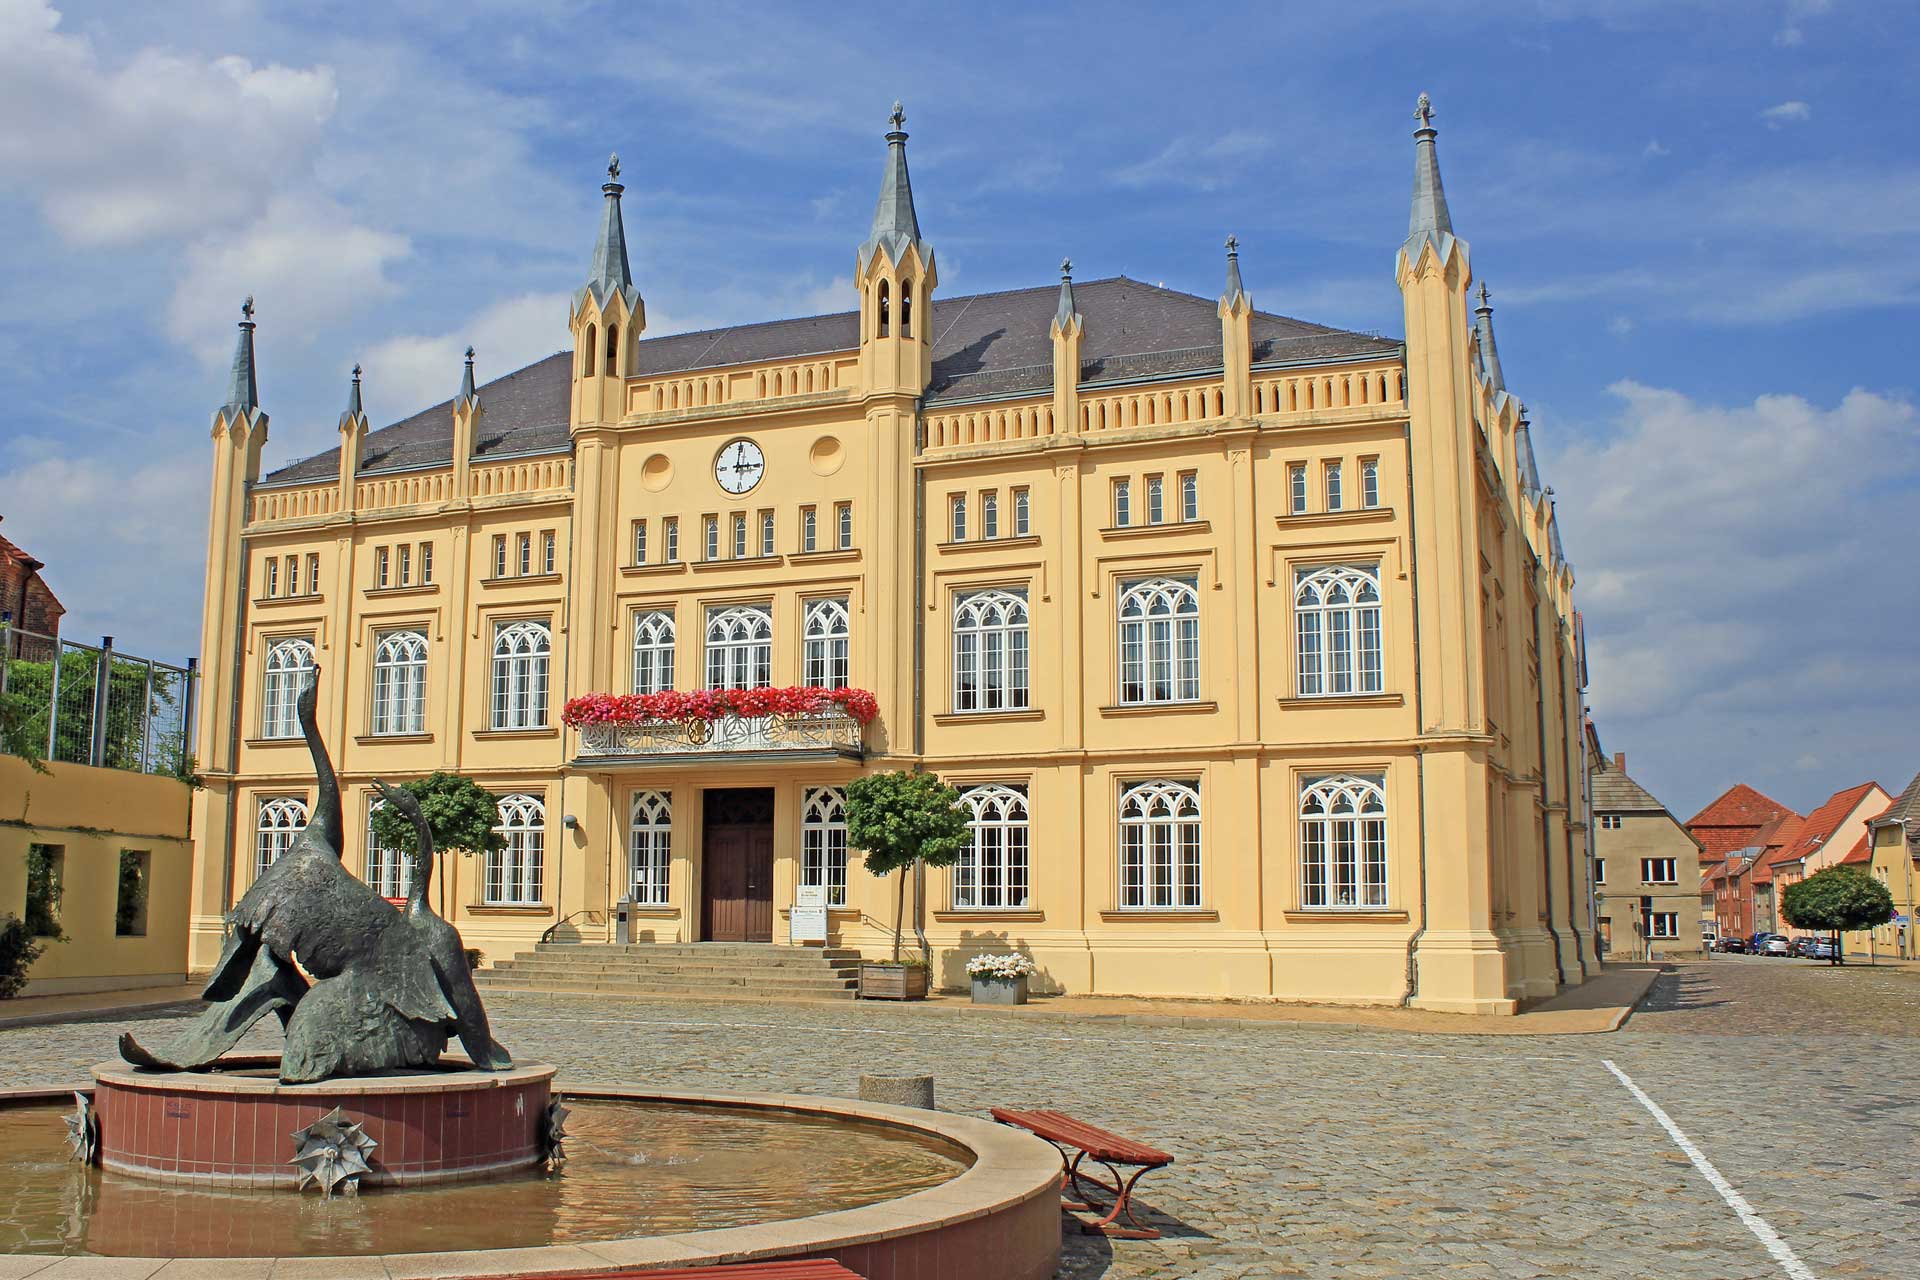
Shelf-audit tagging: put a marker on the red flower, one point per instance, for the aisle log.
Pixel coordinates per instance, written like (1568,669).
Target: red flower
(675,706)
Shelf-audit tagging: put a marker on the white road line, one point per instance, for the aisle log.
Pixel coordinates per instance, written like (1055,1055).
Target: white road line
(1782,1252)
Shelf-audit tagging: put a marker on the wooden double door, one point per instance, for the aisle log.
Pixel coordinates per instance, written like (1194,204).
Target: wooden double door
(736,878)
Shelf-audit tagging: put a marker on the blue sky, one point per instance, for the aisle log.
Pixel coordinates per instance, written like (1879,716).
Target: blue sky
(1697,221)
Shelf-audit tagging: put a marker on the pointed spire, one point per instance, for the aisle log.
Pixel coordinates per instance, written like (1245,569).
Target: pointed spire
(468,399)
(1489,353)
(1523,449)
(1430,219)
(610,273)
(354,413)
(896,227)
(243,390)
(1235,290)
(1064,314)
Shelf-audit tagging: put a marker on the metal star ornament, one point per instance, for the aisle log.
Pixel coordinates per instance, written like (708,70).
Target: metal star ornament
(332,1153)
(553,1133)
(83,1130)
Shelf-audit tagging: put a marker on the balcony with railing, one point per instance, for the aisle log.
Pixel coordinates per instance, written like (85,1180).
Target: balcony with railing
(721,724)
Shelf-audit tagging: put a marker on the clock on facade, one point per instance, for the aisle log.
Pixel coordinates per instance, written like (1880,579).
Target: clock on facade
(739,465)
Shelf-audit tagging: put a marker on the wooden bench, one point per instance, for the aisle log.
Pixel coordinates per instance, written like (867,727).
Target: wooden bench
(1076,1140)
(825,1269)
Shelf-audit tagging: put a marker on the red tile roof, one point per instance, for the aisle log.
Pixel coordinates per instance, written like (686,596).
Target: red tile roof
(1778,839)
(1734,821)
(1861,851)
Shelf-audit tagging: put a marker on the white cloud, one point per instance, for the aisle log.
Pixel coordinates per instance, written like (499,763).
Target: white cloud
(1783,114)
(1204,162)
(1620,326)
(165,144)
(305,262)
(1731,564)
(407,373)
(1654,148)
(1792,34)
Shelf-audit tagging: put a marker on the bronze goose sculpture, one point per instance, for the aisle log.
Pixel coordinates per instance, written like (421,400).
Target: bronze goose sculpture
(399,1001)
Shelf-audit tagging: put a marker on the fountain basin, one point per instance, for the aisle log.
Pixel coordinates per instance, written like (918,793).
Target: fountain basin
(993,1214)
(233,1127)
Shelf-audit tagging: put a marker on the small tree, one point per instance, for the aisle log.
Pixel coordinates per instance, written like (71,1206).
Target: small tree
(900,818)
(1837,899)
(18,950)
(18,734)
(460,813)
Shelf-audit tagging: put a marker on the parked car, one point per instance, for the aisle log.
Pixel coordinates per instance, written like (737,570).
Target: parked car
(1732,945)
(1821,949)
(1803,946)
(1777,946)
(1757,942)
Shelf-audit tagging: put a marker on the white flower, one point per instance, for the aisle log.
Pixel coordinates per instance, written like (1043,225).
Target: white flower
(1007,967)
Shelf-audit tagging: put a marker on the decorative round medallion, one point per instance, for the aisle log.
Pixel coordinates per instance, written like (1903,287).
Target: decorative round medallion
(656,472)
(739,465)
(826,455)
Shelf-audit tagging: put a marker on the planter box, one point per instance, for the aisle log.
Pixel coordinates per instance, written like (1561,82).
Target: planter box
(892,982)
(1000,990)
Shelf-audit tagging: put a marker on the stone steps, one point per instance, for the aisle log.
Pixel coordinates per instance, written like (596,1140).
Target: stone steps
(729,970)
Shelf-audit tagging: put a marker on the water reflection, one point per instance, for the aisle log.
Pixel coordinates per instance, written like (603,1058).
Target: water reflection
(632,1169)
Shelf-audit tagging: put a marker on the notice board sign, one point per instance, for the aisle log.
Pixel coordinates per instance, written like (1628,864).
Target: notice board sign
(807,921)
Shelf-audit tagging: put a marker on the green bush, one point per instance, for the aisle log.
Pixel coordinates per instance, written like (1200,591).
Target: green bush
(900,818)
(18,950)
(460,813)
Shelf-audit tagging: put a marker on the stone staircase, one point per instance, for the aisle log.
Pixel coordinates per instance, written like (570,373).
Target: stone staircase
(724,970)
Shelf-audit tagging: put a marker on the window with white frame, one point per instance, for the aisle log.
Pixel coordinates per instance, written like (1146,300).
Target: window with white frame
(739,537)
(293,575)
(549,562)
(1156,500)
(991,873)
(639,541)
(825,662)
(670,529)
(1159,641)
(990,514)
(653,636)
(1297,489)
(1160,845)
(1022,513)
(280,820)
(843,516)
(1336,611)
(400,683)
(766,533)
(521,652)
(313,575)
(500,555)
(1335,500)
(273,577)
(406,564)
(1189,496)
(740,647)
(289,669)
(990,650)
(381,558)
(1666,924)
(426,564)
(1659,871)
(1122,503)
(526,555)
(1343,842)
(711,535)
(1609,822)
(1370,482)
(650,849)
(823,842)
(388,872)
(513,876)
(1599,870)
(809,529)
(957,517)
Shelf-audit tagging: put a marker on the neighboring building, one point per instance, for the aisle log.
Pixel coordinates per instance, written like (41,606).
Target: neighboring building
(1734,832)
(103,858)
(1821,842)
(1250,642)
(1646,868)
(26,601)
(1889,851)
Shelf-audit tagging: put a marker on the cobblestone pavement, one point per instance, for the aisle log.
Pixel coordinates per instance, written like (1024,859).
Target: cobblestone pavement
(1312,1151)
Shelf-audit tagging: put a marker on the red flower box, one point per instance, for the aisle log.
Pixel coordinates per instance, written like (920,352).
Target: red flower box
(675,706)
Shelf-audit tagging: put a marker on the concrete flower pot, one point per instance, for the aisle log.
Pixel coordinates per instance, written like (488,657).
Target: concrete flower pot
(1000,990)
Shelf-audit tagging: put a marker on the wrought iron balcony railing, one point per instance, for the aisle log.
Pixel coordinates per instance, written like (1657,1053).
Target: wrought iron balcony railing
(802,731)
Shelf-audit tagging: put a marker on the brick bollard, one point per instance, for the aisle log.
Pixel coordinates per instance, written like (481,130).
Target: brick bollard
(901,1091)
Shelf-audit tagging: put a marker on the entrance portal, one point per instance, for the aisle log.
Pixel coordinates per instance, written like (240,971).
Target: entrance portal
(736,881)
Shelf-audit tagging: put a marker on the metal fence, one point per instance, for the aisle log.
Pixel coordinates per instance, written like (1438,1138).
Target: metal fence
(90,704)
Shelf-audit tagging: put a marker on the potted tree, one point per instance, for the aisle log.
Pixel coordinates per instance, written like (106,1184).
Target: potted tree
(1000,979)
(898,819)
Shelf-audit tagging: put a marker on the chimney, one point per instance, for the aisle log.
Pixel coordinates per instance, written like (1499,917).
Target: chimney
(1620,761)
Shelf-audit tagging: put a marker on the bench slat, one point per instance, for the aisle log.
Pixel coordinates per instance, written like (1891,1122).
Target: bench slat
(1099,1143)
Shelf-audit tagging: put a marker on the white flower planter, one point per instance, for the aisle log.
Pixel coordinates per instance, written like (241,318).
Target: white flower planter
(1000,990)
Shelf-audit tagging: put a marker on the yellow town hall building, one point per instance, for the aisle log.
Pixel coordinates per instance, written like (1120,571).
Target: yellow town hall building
(1248,641)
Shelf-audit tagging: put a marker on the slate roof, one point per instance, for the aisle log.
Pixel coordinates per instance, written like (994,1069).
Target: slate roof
(1615,792)
(985,345)
(1906,808)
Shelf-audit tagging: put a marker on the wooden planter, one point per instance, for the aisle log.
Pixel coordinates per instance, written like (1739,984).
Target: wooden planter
(880,981)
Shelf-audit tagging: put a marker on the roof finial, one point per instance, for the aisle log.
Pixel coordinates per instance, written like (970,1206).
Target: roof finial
(468,397)
(353,414)
(1065,314)
(469,356)
(1235,290)
(356,371)
(613,167)
(1484,304)
(246,313)
(1423,111)
(1489,350)
(899,117)
(1066,269)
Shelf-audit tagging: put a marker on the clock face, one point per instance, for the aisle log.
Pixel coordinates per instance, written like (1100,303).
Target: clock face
(739,466)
